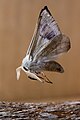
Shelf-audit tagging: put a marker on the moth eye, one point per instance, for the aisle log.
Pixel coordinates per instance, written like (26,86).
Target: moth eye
(25,68)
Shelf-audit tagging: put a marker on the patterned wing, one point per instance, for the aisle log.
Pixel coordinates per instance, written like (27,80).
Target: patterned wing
(45,60)
(45,32)
(46,66)
(55,48)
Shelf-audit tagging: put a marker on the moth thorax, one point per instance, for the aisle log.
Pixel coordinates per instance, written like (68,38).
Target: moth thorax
(26,61)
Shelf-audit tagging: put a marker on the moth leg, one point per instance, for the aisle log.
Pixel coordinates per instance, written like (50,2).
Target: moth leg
(41,77)
(44,77)
(36,78)
(47,79)
(33,76)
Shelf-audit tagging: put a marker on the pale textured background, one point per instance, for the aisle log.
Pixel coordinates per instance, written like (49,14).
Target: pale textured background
(17,23)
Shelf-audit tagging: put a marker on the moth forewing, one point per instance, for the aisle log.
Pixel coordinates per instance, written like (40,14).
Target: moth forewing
(32,42)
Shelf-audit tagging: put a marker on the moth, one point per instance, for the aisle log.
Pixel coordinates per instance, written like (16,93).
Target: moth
(48,42)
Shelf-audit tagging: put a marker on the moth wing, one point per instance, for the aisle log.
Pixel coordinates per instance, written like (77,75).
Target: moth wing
(46,61)
(46,66)
(63,46)
(46,30)
(55,48)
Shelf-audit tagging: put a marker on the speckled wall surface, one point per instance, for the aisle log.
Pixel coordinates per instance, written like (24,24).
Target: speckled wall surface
(17,23)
